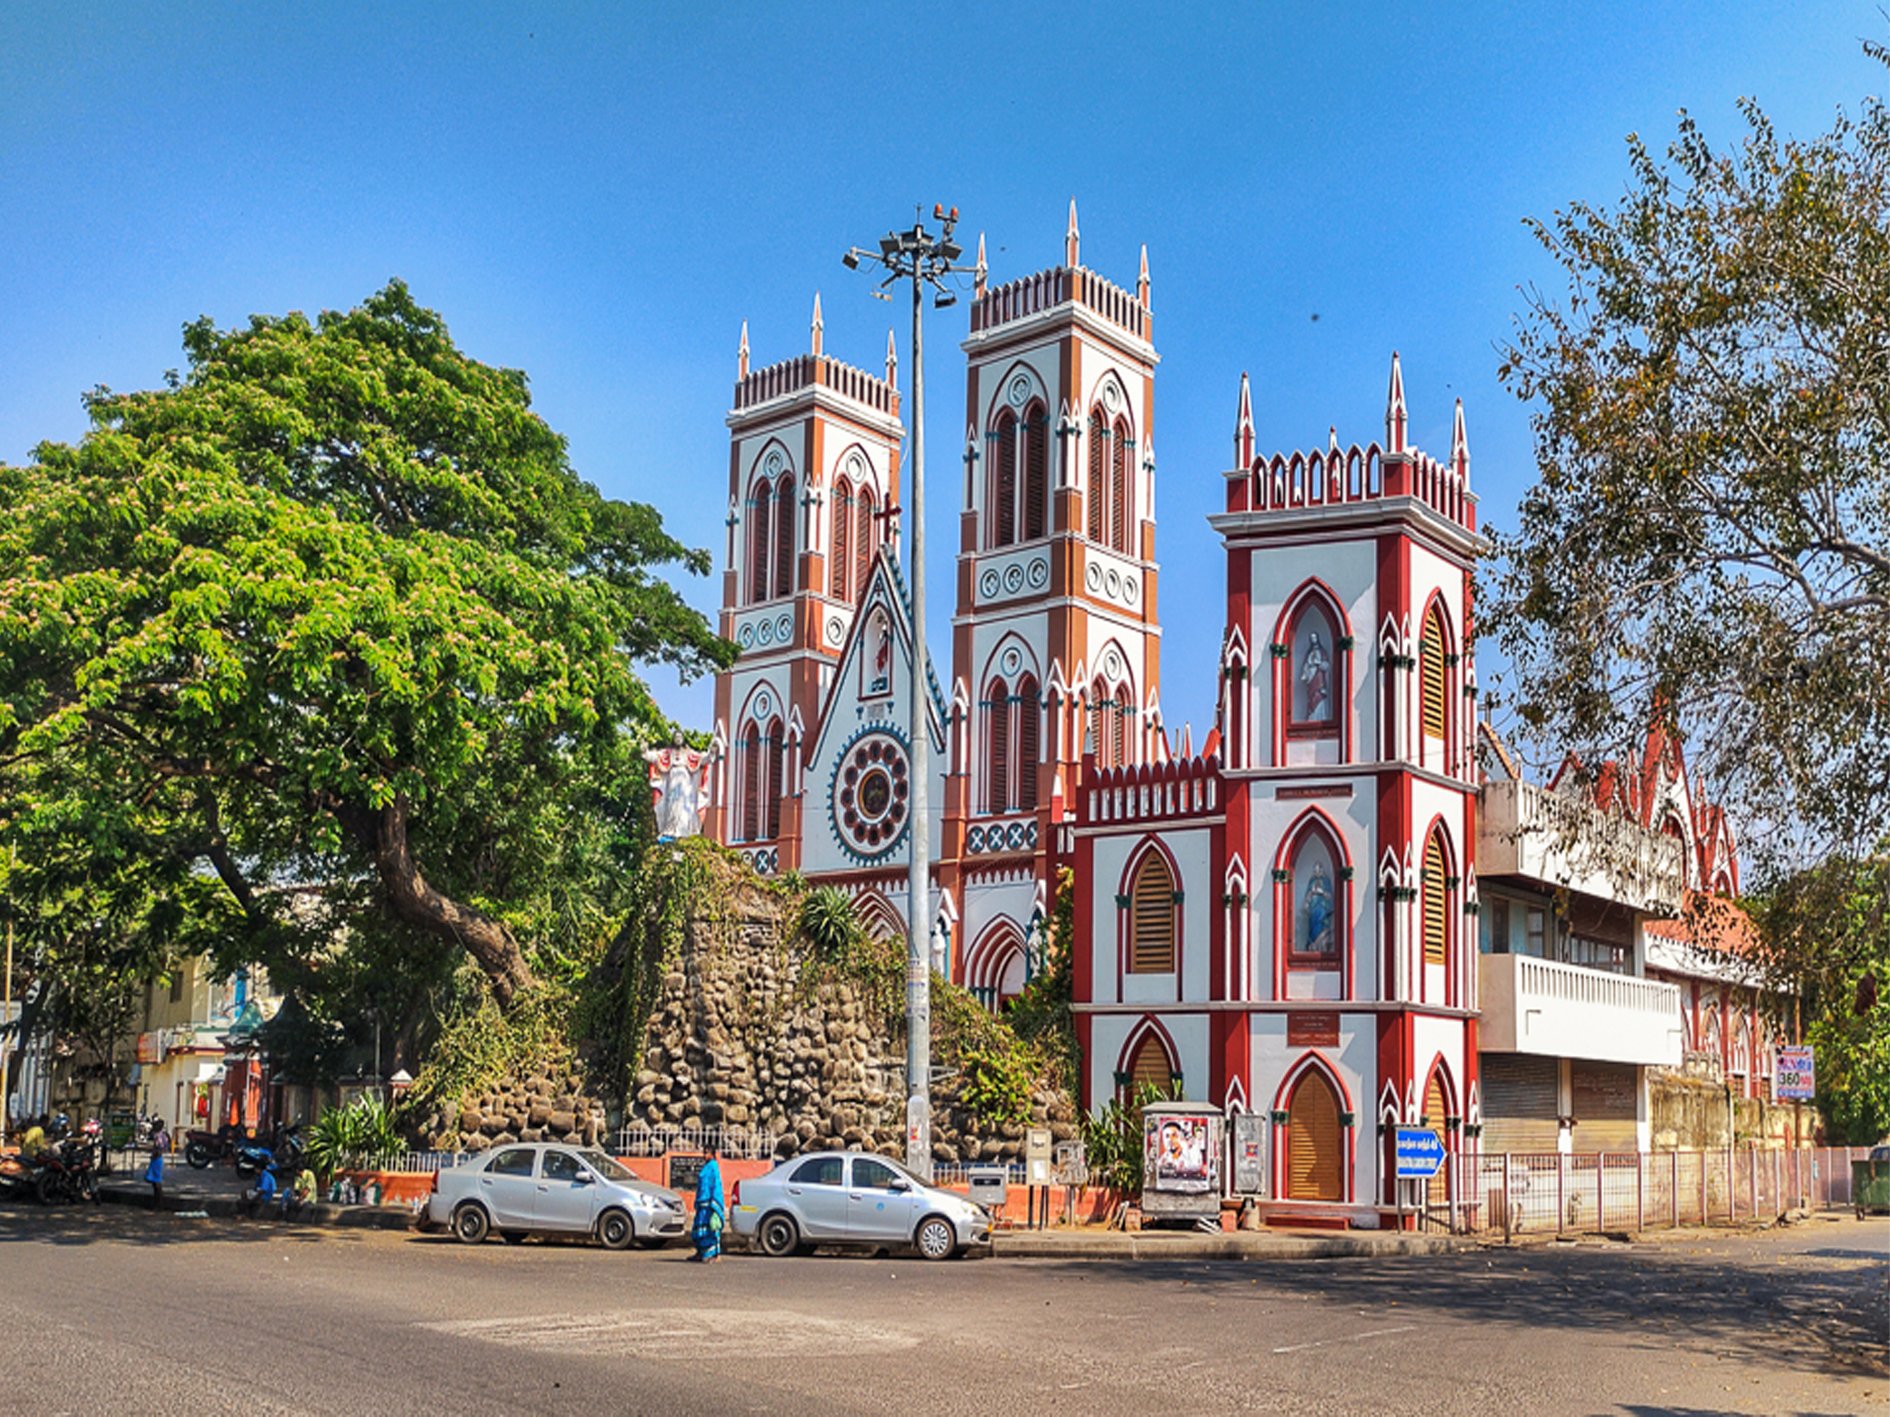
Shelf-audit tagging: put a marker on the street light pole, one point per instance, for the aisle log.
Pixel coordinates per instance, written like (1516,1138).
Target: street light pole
(925,259)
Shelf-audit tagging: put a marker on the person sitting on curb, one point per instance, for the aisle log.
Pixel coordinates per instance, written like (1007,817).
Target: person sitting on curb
(301,1198)
(259,1197)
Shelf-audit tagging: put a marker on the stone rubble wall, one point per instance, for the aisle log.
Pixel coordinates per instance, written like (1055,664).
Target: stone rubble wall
(740,1036)
(538,1108)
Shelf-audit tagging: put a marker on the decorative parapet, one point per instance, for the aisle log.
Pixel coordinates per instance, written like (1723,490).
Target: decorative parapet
(1181,787)
(807,371)
(1034,294)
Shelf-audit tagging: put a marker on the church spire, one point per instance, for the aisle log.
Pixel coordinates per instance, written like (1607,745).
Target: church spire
(892,361)
(1141,281)
(1243,426)
(741,354)
(1396,420)
(820,325)
(981,272)
(1071,238)
(1459,446)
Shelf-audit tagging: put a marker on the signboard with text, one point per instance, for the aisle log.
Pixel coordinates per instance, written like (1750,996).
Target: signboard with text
(1794,1079)
(1420,1153)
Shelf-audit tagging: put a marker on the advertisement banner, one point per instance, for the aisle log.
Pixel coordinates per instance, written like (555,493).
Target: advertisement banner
(1180,1152)
(1794,1079)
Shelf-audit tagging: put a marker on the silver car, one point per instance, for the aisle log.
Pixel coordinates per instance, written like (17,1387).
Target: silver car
(851,1198)
(533,1188)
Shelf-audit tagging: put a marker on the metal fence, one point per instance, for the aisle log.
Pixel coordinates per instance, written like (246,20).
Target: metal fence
(1599,1192)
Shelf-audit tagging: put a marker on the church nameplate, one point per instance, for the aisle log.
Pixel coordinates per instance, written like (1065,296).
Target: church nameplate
(1330,789)
(1312,1030)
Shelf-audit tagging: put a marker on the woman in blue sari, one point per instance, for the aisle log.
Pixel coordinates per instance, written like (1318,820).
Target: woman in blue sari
(711,1212)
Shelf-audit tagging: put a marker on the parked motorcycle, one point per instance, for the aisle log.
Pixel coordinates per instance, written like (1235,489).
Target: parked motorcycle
(66,1173)
(284,1151)
(201,1146)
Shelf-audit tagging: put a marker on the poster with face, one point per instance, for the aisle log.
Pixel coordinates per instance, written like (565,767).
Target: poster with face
(1181,1155)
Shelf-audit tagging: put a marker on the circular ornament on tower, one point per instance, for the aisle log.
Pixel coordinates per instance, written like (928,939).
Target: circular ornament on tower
(870,802)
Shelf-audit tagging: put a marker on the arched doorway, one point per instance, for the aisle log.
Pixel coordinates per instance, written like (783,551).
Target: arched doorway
(1315,1155)
(1149,1066)
(1437,1189)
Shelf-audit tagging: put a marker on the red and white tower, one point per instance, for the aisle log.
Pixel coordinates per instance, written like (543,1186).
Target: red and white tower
(1055,634)
(813,490)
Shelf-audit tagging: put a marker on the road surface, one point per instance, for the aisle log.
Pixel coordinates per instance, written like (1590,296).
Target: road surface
(119,1310)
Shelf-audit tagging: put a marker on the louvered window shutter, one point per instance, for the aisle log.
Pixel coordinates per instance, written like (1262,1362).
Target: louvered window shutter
(1036,470)
(1431,672)
(1150,1067)
(842,542)
(1152,917)
(759,535)
(1028,716)
(1098,453)
(999,708)
(784,520)
(1434,892)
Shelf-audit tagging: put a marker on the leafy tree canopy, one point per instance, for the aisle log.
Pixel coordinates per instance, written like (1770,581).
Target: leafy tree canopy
(1709,543)
(331,617)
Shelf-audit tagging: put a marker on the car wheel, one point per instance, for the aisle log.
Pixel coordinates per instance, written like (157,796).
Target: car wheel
(614,1230)
(779,1236)
(936,1239)
(471,1224)
(197,1154)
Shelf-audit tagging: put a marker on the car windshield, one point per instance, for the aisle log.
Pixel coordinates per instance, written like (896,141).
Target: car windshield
(607,1168)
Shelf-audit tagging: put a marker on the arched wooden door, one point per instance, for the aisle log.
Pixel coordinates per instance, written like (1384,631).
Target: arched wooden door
(1437,1190)
(1315,1156)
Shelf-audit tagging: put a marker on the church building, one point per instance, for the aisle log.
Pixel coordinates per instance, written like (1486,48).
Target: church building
(1282,920)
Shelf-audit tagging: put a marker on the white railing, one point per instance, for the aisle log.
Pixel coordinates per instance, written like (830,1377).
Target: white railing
(1564,840)
(1542,1006)
(1537,1193)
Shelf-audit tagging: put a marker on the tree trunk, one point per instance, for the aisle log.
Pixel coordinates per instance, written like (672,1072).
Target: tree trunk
(416,901)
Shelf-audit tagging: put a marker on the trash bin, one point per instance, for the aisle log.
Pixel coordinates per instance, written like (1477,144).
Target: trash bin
(1870,1183)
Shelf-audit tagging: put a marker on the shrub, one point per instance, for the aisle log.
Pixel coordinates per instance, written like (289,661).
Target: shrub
(364,1134)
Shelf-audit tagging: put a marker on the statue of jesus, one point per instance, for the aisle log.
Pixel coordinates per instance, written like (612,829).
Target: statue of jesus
(676,783)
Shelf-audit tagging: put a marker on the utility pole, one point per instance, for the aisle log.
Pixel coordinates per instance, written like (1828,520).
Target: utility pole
(924,259)
(6,1008)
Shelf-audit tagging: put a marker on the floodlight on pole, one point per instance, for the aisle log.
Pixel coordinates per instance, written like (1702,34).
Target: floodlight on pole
(925,259)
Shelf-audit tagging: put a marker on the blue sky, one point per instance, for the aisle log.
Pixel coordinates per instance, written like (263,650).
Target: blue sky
(600,195)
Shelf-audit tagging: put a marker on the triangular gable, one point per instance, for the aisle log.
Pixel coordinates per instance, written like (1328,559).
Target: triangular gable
(841,713)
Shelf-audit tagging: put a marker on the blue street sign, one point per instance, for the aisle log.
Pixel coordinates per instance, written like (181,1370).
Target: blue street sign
(1420,1153)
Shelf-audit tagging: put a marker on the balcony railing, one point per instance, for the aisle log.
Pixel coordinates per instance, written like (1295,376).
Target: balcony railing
(1540,1006)
(1565,841)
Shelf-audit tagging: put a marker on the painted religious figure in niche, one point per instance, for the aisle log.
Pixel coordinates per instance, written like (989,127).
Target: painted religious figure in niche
(676,783)
(1312,691)
(878,663)
(1315,677)
(1316,924)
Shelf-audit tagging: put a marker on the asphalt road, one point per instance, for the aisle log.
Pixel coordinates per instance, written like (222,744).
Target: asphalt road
(117,1310)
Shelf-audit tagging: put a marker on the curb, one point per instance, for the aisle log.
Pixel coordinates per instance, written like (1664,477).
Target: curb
(229,1208)
(1244,1246)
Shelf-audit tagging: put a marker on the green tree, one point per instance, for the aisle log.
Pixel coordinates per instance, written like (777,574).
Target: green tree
(1709,543)
(332,616)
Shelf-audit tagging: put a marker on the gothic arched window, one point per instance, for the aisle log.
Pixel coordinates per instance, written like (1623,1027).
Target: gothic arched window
(863,545)
(1435,891)
(1318,919)
(1152,917)
(760,542)
(776,787)
(1036,470)
(840,575)
(1149,1067)
(1096,492)
(753,782)
(998,740)
(784,520)
(1003,444)
(1121,450)
(1109,721)
(1434,702)
(1029,719)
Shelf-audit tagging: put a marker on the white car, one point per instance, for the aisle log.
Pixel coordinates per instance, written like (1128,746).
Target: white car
(533,1189)
(852,1198)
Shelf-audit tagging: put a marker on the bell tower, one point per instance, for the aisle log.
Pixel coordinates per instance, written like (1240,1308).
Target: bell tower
(813,485)
(1055,634)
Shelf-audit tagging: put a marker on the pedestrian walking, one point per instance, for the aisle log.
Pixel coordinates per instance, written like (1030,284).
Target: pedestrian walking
(711,1212)
(154,1172)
